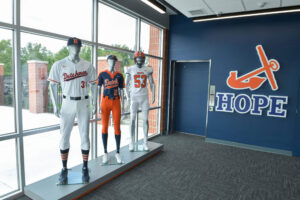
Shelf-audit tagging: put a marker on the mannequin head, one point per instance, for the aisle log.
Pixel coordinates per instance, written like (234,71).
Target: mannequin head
(139,58)
(74,50)
(111,61)
(74,46)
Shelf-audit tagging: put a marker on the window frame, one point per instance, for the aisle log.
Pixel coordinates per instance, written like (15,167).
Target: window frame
(17,29)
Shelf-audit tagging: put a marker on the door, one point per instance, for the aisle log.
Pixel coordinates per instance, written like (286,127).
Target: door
(190,97)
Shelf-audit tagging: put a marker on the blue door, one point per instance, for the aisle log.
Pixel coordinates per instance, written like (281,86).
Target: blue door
(190,97)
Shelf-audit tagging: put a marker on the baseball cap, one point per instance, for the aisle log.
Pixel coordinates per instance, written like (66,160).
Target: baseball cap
(74,41)
(112,57)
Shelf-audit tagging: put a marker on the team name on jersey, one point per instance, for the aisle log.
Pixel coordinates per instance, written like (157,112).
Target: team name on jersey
(140,73)
(111,84)
(71,76)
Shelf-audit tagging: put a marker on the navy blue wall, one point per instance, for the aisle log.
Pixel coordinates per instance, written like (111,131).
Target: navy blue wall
(231,46)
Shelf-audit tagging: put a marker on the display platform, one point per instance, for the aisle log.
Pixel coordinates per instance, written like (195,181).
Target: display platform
(99,174)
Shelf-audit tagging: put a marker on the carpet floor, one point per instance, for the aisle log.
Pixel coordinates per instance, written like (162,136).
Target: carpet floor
(189,168)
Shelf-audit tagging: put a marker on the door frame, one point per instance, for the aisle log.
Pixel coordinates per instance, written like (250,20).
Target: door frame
(171,92)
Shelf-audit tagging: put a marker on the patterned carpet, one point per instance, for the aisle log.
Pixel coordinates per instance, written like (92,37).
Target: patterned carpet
(189,168)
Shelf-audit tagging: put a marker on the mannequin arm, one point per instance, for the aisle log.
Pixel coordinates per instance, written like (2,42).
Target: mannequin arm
(99,99)
(127,81)
(152,86)
(53,87)
(122,99)
(93,87)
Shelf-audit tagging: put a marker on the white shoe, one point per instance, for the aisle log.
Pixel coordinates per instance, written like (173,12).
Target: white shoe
(118,158)
(105,158)
(145,146)
(131,147)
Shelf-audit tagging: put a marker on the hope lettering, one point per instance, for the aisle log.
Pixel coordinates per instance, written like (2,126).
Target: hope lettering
(242,103)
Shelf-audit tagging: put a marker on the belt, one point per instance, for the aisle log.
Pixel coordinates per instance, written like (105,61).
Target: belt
(76,98)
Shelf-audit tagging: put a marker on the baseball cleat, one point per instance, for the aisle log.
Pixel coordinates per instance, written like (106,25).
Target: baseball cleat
(85,175)
(63,177)
(118,158)
(145,147)
(105,158)
(131,147)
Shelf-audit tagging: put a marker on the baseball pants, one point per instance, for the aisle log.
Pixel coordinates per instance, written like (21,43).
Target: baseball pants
(69,110)
(114,106)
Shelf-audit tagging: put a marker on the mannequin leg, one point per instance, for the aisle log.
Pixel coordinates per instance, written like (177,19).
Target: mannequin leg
(83,116)
(116,112)
(145,128)
(145,113)
(105,113)
(68,113)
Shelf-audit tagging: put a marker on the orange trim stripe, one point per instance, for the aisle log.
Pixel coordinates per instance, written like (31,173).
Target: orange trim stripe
(117,175)
(52,80)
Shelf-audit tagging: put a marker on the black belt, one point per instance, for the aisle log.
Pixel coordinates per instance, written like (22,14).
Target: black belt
(76,98)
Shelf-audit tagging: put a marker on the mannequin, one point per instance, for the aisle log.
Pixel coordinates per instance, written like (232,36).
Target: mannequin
(74,75)
(138,75)
(113,84)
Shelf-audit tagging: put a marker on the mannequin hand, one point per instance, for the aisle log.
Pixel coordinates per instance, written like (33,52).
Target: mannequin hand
(56,112)
(153,99)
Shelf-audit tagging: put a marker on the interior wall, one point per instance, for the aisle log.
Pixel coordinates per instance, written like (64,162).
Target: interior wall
(231,44)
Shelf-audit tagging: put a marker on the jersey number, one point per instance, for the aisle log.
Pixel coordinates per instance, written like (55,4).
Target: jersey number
(82,84)
(138,79)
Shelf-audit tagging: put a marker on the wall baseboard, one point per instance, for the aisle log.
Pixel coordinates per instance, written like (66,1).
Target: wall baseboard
(250,147)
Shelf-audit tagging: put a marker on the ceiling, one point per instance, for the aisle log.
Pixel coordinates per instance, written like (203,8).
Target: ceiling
(201,8)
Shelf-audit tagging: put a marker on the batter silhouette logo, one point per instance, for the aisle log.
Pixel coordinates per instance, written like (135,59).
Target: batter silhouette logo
(256,104)
(251,80)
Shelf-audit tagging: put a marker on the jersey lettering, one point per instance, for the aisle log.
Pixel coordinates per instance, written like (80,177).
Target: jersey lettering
(71,76)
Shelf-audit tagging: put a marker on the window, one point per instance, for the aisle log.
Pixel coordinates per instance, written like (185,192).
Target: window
(44,27)
(151,37)
(6,11)
(69,17)
(6,83)
(8,167)
(116,28)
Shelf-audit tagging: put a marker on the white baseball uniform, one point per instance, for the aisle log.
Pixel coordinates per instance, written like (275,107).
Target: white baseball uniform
(73,79)
(139,89)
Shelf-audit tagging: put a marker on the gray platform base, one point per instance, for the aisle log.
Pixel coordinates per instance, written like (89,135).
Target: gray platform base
(47,188)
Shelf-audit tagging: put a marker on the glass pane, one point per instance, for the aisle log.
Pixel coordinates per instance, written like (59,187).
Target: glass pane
(8,167)
(151,39)
(6,11)
(6,83)
(115,28)
(42,155)
(156,66)
(67,17)
(37,57)
(153,120)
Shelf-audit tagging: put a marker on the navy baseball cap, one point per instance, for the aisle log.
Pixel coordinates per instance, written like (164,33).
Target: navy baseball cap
(74,41)
(112,57)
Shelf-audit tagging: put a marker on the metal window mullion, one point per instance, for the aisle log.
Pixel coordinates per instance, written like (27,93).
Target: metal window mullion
(159,96)
(18,95)
(94,141)
(138,34)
